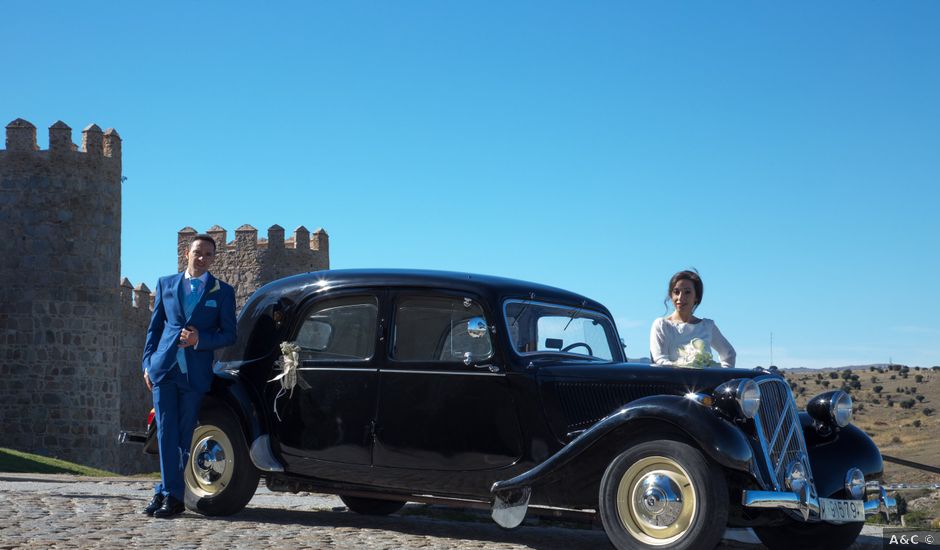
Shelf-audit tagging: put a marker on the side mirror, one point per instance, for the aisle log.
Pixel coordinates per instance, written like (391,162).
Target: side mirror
(476,327)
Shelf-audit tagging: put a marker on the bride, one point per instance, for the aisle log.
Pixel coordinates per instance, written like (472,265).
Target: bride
(682,339)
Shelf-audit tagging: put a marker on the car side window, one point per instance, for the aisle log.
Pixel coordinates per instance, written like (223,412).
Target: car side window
(339,329)
(440,329)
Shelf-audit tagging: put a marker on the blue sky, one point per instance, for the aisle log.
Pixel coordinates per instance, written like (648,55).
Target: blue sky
(789,151)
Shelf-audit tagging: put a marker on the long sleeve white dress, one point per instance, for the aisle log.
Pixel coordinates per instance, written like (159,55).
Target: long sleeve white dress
(688,344)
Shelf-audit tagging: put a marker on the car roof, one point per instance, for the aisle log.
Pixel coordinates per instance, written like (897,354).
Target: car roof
(488,286)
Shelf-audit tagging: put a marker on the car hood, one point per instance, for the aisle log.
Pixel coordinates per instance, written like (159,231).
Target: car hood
(577,395)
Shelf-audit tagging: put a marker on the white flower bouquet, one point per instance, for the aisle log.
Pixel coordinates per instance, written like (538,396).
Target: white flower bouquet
(695,355)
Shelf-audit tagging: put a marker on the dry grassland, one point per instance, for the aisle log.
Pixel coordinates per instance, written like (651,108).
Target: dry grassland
(899,407)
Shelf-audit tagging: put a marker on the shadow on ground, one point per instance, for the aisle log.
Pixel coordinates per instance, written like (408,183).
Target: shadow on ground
(540,538)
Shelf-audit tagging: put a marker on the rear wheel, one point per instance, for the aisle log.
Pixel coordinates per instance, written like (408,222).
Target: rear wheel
(663,494)
(372,506)
(811,536)
(220,478)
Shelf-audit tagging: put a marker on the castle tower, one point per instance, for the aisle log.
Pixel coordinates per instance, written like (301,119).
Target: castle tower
(248,263)
(60,215)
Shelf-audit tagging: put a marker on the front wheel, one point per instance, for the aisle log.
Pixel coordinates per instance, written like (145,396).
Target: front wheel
(220,478)
(663,494)
(811,536)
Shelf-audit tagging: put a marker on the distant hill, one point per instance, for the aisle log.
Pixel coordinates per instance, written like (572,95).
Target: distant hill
(882,366)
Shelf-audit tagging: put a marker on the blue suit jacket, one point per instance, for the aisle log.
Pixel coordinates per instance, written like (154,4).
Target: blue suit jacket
(213,317)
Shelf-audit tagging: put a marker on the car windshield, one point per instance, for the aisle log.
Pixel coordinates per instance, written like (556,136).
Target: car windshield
(539,327)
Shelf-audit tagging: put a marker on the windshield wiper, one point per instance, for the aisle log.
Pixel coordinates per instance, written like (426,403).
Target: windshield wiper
(573,315)
(525,305)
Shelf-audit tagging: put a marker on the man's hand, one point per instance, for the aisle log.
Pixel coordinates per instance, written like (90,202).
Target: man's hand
(189,336)
(147,381)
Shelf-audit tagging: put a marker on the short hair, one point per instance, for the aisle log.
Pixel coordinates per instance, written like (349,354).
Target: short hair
(204,237)
(692,276)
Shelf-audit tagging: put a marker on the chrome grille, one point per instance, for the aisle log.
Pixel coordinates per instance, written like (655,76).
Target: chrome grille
(778,427)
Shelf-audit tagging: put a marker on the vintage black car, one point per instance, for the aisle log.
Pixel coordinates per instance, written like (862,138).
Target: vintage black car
(452,387)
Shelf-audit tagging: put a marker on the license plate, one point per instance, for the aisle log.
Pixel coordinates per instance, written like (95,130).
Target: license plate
(831,509)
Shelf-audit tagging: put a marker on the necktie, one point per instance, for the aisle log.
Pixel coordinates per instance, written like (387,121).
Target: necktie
(188,306)
(193,297)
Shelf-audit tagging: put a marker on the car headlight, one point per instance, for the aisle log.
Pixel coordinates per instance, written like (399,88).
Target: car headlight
(741,395)
(831,407)
(841,410)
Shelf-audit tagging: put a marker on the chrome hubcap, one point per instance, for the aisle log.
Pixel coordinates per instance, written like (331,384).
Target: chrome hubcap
(656,501)
(659,500)
(210,460)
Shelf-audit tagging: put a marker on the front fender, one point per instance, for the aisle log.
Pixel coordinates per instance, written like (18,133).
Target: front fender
(832,454)
(241,400)
(718,438)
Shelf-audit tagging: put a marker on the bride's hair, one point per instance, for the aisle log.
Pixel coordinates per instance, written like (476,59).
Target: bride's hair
(690,275)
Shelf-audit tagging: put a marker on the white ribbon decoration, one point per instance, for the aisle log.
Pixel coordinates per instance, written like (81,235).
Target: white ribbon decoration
(289,362)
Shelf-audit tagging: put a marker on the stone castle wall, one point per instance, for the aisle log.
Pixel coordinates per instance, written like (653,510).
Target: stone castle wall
(135,402)
(71,337)
(60,214)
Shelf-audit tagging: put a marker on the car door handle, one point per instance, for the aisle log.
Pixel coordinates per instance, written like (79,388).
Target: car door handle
(492,368)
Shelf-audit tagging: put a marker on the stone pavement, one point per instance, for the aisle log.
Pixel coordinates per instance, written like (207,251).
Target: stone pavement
(57,511)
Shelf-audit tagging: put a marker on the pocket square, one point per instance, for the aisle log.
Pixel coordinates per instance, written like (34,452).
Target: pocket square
(211,303)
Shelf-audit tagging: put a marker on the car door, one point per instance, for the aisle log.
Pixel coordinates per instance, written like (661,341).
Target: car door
(444,400)
(328,415)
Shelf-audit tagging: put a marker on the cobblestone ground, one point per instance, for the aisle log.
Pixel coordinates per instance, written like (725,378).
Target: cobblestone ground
(67,512)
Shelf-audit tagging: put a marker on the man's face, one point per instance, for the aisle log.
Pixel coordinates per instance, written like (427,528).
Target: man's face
(199,257)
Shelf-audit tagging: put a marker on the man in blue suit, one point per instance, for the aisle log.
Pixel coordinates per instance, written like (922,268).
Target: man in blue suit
(193,315)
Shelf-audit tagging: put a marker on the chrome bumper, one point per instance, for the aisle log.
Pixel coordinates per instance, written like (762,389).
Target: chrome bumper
(807,505)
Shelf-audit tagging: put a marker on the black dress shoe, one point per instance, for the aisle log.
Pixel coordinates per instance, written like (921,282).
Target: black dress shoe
(171,507)
(155,503)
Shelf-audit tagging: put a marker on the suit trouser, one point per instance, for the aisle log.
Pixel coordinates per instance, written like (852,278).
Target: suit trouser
(176,408)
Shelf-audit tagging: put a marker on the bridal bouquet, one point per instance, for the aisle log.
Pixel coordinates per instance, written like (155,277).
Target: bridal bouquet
(695,354)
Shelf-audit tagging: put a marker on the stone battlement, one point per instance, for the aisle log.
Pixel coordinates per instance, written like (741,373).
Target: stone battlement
(246,239)
(249,262)
(21,137)
(138,297)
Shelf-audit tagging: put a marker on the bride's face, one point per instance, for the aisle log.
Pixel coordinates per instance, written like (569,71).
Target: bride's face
(683,297)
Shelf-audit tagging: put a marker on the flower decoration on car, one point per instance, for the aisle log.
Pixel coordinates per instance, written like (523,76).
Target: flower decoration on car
(288,363)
